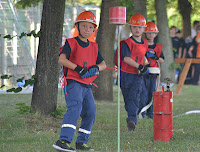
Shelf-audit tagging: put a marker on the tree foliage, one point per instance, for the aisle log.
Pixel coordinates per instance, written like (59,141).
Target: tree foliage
(87,2)
(151,12)
(19,88)
(129,7)
(22,4)
(32,33)
(174,17)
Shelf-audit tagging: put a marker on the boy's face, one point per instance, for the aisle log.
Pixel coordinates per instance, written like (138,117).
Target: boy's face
(137,31)
(178,35)
(86,29)
(150,36)
(173,31)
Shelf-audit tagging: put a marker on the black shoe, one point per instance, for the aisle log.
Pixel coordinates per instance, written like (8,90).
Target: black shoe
(82,146)
(131,125)
(63,146)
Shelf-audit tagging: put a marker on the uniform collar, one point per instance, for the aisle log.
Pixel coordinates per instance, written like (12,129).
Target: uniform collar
(142,42)
(81,43)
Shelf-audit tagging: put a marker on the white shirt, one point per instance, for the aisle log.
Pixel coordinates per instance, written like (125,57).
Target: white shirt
(193,33)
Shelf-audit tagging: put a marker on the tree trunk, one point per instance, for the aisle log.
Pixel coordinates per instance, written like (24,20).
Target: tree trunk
(105,39)
(164,39)
(140,7)
(44,98)
(185,9)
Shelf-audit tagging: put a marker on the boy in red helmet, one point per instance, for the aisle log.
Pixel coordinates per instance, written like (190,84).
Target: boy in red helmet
(133,67)
(155,57)
(83,63)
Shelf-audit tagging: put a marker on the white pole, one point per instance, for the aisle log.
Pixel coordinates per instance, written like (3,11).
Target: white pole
(118,88)
(15,48)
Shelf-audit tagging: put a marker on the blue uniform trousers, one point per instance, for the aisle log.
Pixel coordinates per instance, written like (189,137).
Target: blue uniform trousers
(196,74)
(148,87)
(80,102)
(131,85)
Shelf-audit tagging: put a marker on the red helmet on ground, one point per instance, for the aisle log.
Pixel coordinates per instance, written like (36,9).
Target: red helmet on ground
(137,20)
(151,28)
(86,16)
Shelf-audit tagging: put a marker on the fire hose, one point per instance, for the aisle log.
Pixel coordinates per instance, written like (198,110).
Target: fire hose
(152,70)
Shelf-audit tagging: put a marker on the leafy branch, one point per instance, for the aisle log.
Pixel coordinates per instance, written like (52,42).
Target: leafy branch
(174,66)
(22,80)
(32,33)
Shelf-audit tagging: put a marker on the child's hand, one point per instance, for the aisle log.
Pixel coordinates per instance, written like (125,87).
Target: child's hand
(152,54)
(143,70)
(86,75)
(94,70)
(155,57)
(82,71)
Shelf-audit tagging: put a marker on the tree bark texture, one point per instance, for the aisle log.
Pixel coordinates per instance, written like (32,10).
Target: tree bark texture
(164,39)
(105,39)
(185,9)
(44,98)
(140,7)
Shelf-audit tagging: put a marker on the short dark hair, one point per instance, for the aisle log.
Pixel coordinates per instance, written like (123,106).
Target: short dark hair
(172,27)
(195,23)
(198,28)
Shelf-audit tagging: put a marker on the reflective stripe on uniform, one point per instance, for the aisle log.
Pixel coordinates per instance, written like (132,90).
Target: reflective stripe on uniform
(84,131)
(69,125)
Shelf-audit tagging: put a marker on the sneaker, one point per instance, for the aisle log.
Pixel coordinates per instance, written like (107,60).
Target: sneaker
(63,146)
(131,125)
(82,146)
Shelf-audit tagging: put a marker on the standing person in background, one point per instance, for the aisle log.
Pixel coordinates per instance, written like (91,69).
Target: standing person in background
(176,48)
(191,47)
(193,30)
(82,62)
(192,52)
(175,42)
(189,40)
(181,53)
(133,67)
(154,56)
(197,66)
(182,48)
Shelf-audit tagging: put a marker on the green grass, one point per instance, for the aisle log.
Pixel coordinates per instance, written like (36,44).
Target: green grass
(36,133)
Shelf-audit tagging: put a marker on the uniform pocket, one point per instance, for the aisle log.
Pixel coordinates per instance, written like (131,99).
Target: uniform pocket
(74,94)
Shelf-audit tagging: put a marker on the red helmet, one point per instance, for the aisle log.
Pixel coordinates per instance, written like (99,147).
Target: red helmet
(151,28)
(137,20)
(86,16)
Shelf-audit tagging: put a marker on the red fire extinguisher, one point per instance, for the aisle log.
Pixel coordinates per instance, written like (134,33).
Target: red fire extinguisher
(163,113)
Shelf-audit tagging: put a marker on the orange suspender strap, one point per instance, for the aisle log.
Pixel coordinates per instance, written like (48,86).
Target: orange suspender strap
(94,85)
(64,82)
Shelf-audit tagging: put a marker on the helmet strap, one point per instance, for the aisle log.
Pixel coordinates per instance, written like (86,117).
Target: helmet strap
(79,31)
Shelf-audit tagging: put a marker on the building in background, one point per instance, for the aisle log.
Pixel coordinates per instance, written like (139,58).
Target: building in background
(18,56)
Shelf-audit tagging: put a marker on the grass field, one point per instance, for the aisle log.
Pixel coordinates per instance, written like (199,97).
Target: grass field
(34,133)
